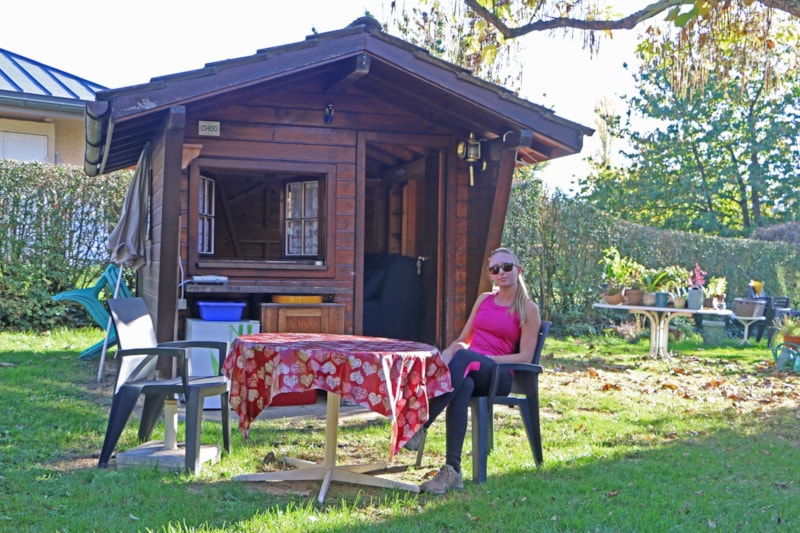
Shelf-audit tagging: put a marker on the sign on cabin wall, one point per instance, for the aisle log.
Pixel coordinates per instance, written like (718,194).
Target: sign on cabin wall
(208,128)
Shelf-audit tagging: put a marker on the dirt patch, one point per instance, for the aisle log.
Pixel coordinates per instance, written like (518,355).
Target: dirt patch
(76,463)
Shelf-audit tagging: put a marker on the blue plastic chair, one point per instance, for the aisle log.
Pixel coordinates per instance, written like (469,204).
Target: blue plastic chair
(89,298)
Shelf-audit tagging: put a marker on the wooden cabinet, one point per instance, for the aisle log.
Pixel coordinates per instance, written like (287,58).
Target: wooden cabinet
(302,318)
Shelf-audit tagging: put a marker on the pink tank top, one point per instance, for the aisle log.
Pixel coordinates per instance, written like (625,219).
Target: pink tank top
(494,331)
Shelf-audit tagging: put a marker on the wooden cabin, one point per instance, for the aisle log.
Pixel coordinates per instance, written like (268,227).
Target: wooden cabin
(290,170)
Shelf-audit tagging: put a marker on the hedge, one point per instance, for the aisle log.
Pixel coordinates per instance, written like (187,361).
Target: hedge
(55,220)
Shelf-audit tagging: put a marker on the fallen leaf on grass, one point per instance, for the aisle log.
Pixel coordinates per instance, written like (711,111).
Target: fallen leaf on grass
(610,386)
(781,484)
(612,494)
(473,518)
(592,372)
(671,435)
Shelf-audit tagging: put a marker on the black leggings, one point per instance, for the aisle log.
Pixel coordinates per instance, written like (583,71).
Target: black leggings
(476,383)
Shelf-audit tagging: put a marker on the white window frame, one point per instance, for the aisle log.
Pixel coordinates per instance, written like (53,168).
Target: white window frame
(206,216)
(302,218)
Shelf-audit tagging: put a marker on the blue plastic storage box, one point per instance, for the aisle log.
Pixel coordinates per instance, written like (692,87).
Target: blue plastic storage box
(221,311)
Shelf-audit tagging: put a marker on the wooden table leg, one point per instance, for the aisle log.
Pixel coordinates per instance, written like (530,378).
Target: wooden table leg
(329,471)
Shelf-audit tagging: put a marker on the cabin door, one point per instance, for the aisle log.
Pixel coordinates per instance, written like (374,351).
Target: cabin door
(402,216)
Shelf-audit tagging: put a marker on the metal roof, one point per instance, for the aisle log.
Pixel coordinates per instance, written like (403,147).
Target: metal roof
(19,74)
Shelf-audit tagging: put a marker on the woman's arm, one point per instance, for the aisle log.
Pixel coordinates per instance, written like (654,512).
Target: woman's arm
(463,340)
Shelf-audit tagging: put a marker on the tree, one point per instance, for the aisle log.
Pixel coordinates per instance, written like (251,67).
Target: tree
(723,158)
(705,28)
(453,33)
(509,16)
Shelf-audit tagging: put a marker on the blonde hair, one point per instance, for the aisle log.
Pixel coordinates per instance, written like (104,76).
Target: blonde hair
(521,297)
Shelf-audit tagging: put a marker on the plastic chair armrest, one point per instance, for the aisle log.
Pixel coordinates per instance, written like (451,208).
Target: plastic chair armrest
(178,353)
(513,367)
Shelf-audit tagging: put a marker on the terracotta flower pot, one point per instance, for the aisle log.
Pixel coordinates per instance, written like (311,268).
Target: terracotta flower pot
(612,299)
(792,339)
(634,296)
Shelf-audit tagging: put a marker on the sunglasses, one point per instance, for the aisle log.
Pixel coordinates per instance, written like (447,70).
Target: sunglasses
(495,269)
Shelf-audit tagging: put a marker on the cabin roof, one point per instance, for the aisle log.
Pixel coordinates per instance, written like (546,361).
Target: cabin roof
(121,121)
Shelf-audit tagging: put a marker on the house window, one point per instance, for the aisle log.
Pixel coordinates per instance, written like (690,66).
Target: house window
(23,147)
(302,218)
(205,216)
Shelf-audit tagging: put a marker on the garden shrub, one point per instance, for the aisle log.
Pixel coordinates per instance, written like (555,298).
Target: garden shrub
(55,220)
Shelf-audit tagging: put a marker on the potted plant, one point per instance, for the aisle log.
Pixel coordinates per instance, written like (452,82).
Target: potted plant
(679,297)
(694,297)
(788,326)
(616,272)
(634,287)
(654,282)
(715,290)
(675,284)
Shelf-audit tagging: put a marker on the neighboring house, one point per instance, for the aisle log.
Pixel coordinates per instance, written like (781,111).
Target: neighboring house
(286,170)
(42,111)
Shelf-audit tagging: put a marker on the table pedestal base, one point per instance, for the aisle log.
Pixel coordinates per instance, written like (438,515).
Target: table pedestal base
(329,471)
(747,322)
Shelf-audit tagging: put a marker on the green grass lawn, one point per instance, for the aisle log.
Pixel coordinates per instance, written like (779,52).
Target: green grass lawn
(707,440)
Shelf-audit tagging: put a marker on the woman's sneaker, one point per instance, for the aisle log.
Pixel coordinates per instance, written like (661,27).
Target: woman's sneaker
(446,479)
(417,440)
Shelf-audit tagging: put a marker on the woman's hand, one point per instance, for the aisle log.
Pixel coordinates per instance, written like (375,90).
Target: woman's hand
(450,351)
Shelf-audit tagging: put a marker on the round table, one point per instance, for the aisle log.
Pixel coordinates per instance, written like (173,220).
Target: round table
(389,376)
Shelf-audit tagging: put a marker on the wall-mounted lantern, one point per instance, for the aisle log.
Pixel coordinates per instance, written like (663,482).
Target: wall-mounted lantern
(470,151)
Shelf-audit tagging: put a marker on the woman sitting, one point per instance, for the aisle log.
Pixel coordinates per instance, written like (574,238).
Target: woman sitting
(502,327)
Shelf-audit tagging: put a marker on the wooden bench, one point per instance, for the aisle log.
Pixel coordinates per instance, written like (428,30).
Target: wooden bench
(89,298)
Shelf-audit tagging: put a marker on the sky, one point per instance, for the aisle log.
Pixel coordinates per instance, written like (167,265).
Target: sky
(119,44)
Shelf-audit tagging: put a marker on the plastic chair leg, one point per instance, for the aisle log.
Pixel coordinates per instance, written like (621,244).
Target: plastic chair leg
(151,412)
(420,452)
(225,414)
(194,425)
(194,421)
(529,409)
(121,408)
(480,437)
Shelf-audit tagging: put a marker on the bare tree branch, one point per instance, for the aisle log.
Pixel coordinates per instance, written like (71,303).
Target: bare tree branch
(628,22)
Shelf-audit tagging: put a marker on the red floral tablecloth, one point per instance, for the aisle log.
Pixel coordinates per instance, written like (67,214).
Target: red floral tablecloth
(263,365)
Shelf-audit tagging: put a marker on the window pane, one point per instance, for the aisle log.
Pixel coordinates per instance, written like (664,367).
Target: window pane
(311,199)
(294,200)
(311,236)
(294,237)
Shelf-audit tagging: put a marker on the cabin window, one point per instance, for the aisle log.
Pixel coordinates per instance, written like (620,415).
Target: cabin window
(205,216)
(253,218)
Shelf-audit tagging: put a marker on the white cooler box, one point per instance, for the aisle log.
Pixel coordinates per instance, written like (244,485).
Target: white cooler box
(205,362)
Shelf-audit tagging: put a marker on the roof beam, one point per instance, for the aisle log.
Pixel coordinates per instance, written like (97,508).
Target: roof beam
(361,64)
